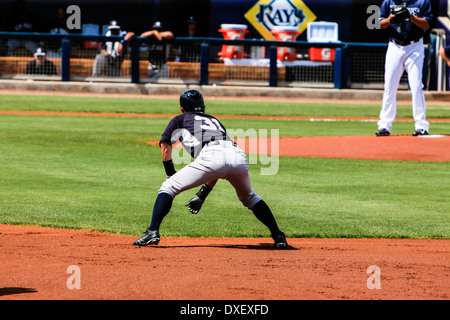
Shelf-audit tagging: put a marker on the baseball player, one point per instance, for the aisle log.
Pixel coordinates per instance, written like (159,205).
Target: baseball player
(216,157)
(406,22)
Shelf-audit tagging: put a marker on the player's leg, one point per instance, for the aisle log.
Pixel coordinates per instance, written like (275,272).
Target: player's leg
(241,182)
(192,175)
(414,67)
(394,68)
(263,213)
(161,208)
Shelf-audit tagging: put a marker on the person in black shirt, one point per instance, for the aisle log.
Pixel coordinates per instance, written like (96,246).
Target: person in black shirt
(190,52)
(40,65)
(158,53)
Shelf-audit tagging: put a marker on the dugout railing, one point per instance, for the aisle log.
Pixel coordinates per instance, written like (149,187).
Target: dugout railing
(197,61)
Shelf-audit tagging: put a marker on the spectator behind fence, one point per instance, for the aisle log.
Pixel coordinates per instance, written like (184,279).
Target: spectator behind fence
(40,65)
(24,22)
(190,52)
(57,26)
(159,53)
(191,27)
(110,58)
(3,41)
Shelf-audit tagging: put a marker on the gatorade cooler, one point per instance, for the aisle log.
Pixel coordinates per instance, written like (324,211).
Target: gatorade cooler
(286,34)
(322,31)
(233,32)
(322,54)
(91,29)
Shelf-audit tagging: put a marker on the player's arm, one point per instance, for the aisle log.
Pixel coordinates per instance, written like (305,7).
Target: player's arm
(385,15)
(420,22)
(384,23)
(195,204)
(166,153)
(424,16)
(169,136)
(212,183)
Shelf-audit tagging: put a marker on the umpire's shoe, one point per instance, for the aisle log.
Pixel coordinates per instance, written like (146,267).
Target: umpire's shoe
(280,241)
(149,237)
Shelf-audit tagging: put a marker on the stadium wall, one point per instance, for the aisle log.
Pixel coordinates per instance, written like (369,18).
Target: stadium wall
(73,87)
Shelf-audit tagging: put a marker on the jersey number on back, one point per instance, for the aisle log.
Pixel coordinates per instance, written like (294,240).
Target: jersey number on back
(209,124)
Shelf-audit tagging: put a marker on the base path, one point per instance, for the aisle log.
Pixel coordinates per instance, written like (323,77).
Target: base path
(404,148)
(433,148)
(35,265)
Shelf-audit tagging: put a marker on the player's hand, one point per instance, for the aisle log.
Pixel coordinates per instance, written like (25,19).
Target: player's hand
(194,205)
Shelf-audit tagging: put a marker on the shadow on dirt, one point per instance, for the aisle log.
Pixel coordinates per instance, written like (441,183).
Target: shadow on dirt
(7,291)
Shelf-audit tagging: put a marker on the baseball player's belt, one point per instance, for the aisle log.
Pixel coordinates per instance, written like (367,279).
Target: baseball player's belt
(403,43)
(217,142)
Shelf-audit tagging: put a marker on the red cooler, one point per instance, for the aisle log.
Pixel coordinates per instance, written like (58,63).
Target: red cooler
(322,54)
(322,31)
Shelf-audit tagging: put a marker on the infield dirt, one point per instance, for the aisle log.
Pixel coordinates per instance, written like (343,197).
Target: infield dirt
(35,261)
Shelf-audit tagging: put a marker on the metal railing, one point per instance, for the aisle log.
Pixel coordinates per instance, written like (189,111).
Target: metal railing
(197,60)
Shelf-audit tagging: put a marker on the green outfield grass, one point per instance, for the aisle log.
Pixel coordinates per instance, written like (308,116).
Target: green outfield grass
(99,173)
(215,107)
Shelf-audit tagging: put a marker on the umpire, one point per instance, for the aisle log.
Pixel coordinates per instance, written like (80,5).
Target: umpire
(406,22)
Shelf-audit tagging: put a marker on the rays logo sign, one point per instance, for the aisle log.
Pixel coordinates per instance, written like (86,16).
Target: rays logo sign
(267,14)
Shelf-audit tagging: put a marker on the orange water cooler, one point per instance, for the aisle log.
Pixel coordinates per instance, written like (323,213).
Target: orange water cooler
(286,34)
(233,32)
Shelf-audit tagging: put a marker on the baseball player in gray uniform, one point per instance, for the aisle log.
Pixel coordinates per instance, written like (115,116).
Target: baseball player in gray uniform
(216,157)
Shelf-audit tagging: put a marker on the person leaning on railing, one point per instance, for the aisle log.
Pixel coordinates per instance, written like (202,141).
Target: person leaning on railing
(445,54)
(158,53)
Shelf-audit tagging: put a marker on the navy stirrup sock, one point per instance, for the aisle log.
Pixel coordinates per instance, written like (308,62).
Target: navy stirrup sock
(262,211)
(162,206)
